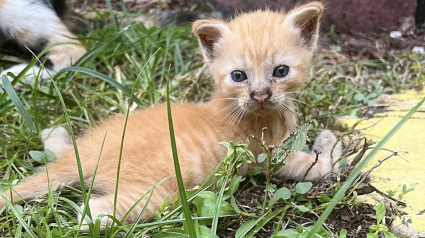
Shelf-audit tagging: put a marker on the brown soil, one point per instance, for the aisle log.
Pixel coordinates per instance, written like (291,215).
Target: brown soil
(356,219)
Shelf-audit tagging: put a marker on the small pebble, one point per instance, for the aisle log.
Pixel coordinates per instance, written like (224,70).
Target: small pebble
(395,34)
(418,50)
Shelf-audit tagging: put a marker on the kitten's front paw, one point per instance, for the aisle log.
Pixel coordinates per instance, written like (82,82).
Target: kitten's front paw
(324,144)
(98,210)
(56,139)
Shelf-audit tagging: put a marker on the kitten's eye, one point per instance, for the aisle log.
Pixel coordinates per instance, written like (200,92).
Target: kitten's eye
(281,71)
(238,76)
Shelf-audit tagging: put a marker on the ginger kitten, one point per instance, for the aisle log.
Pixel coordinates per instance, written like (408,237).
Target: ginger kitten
(257,60)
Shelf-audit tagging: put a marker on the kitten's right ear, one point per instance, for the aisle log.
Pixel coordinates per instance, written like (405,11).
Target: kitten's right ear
(305,19)
(209,33)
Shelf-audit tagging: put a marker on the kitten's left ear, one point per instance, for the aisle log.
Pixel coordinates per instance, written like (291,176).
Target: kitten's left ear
(305,20)
(209,33)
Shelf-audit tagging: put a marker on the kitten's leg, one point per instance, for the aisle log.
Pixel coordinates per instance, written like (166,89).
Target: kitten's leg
(297,164)
(128,195)
(324,144)
(56,139)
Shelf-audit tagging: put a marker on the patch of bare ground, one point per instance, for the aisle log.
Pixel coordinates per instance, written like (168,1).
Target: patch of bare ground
(356,219)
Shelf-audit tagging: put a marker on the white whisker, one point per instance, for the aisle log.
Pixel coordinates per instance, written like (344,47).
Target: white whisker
(236,117)
(231,114)
(224,99)
(296,100)
(242,116)
(226,108)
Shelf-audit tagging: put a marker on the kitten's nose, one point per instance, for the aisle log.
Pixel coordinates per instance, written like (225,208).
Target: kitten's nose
(261,97)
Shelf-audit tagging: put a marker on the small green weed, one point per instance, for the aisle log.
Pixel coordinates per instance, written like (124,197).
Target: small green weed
(380,226)
(404,191)
(352,88)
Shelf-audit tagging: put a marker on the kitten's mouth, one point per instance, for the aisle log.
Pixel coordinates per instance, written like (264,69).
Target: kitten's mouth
(259,108)
(262,109)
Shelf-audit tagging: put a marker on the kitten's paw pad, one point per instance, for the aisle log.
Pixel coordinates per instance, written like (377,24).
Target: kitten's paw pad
(56,139)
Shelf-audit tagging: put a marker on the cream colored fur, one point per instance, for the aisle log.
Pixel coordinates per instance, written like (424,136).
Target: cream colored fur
(255,43)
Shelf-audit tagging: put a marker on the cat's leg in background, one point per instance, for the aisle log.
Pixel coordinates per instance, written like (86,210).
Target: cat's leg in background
(30,75)
(35,25)
(56,139)
(297,164)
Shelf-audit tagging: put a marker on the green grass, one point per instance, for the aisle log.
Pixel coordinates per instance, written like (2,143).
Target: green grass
(97,86)
(137,61)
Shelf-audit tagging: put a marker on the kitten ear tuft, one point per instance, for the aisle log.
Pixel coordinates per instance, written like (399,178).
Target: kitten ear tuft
(305,19)
(209,33)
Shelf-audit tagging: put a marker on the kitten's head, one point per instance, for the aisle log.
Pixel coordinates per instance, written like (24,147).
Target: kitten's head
(259,58)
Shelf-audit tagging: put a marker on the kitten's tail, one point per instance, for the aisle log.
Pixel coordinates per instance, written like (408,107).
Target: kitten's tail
(61,171)
(54,175)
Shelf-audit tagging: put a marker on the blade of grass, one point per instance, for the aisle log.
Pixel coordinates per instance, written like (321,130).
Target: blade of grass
(150,192)
(174,221)
(18,233)
(186,211)
(15,99)
(86,202)
(253,224)
(279,225)
(74,143)
(220,197)
(23,72)
(358,169)
(97,49)
(119,163)
(123,136)
(266,219)
(20,219)
(127,18)
(103,77)
(112,14)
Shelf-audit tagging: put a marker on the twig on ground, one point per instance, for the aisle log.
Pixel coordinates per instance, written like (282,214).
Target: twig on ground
(367,188)
(313,164)
(358,157)
(387,196)
(367,173)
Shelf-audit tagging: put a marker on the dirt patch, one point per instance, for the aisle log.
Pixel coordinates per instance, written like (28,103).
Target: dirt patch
(361,33)
(356,218)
